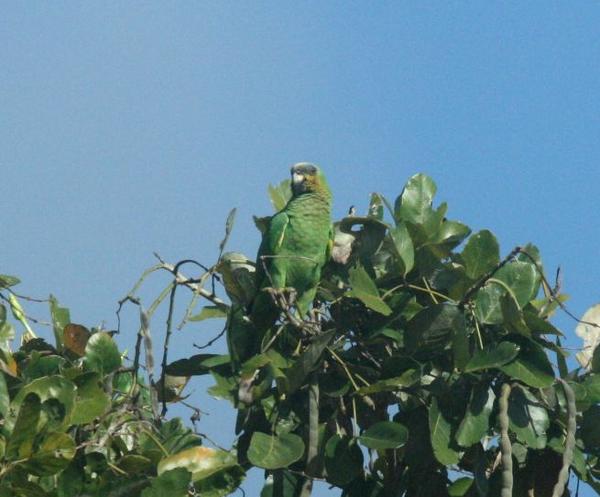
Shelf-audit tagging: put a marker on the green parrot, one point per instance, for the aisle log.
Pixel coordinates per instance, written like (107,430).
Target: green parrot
(295,246)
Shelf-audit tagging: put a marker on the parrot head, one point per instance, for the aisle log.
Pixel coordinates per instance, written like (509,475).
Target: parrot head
(307,177)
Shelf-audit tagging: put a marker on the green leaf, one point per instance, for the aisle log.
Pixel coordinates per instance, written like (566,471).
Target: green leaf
(528,419)
(7,281)
(384,435)
(343,460)
(60,318)
(376,206)
(460,487)
(519,277)
(512,315)
(492,357)
(4,397)
(91,401)
(20,443)
(197,364)
(531,366)
(53,455)
(481,254)
(476,422)
(306,363)
(404,247)
(365,290)
(173,483)
(414,204)
(431,329)
(49,388)
(272,452)
(221,483)
(280,194)
(102,354)
(440,430)
(210,312)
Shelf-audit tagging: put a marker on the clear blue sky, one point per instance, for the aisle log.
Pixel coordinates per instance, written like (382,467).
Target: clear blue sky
(130,127)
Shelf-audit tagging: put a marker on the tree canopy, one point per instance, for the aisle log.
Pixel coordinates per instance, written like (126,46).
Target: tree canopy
(428,367)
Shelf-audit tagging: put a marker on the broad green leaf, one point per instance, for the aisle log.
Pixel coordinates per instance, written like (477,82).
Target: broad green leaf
(91,401)
(365,290)
(404,247)
(528,418)
(384,435)
(53,455)
(448,236)
(487,304)
(492,357)
(481,254)
(60,318)
(7,281)
(440,430)
(512,315)
(102,354)
(531,366)
(40,366)
(280,194)
(414,204)
(476,422)
(272,452)
(221,483)
(134,464)
(173,483)
(49,388)
(432,328)
(306,363)
(520,278)
(210,312)
(460,487)
(343,459)
(20,443)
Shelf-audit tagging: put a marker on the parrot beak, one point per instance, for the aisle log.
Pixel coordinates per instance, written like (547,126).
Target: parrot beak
(297,179)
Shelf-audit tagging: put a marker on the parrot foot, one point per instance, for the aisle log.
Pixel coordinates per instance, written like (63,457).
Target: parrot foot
(282,297)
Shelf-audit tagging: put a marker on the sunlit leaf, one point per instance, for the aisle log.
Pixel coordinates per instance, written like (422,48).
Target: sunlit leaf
(481,254)
(102,354)
(414,204)
(272,452)
(60,318)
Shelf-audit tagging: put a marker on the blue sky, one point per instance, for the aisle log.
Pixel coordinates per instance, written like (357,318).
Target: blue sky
(128,128)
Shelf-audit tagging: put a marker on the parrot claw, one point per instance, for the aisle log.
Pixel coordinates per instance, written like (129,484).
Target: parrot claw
(283,297)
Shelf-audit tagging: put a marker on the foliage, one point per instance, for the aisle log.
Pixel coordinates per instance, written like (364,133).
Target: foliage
(428,355)
(76,422)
